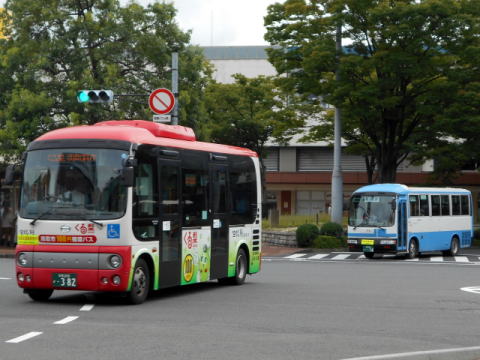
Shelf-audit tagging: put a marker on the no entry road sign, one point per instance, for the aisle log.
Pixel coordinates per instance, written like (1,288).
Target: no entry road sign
(161,101)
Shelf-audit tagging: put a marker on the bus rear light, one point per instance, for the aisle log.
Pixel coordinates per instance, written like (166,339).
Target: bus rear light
(104,280)
(116,280)
(28,278)
(21,277)
(22,259)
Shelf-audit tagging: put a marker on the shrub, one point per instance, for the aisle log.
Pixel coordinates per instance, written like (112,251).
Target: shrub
(328,242)
(332,229)
(306,233)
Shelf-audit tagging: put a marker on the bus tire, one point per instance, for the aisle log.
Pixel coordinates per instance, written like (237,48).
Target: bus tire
(240,270)
(412,249)
(369,255)
(140,283)
(39,294)
(453,247)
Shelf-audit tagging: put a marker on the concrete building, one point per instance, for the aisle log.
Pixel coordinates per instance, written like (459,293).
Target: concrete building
(298,174)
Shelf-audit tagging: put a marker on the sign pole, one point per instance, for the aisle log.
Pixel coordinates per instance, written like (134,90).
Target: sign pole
(175,87)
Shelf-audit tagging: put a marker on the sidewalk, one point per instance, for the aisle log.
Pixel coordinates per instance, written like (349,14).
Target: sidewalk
(7,252)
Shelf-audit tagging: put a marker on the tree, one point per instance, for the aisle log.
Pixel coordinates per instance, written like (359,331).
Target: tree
(248,112)
(406,61)
(56,47)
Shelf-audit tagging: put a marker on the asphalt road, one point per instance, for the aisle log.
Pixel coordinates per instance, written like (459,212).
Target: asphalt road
(290,310)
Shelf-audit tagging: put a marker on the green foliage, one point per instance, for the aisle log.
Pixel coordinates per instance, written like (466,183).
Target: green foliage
(306,234)
(56,47)
(332,229)
(329,242)
(408,82)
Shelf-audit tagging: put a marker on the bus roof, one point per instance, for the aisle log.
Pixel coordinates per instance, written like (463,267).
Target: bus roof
(404,189)
(143,132)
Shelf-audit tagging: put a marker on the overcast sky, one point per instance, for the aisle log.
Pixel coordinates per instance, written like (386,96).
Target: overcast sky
(222,22)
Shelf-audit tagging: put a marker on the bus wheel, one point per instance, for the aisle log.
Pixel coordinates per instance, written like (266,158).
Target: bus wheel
(412,249)
(140,283)
(453,248)
(240,270)
(39,294)
(369,255)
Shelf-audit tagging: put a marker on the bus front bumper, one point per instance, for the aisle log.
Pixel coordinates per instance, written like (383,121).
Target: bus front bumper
(373,245)
(72,268)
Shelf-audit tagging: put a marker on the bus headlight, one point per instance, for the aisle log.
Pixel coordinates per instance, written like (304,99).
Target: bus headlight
(22,259)
(115,261)
(352,241)
(388,242)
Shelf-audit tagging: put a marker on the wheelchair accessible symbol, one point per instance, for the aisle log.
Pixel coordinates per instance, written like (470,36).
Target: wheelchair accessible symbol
(113,231)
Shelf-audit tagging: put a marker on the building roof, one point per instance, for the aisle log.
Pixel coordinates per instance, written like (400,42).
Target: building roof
(235,52)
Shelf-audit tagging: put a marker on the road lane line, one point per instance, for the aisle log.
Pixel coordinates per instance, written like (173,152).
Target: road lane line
(87,307)
(66,320)
(24,337)
(471,289)
(415,354)
(295,256)
(318,256)
(2,278)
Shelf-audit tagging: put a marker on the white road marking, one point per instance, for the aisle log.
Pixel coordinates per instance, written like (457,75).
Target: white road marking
(414,259)
(318,256)
(341,257)
(436,258)
(361,257)
(2,278)
(24,337)
(66,320)
(295,256)
(87,307)
(461,259)
(415,353)
(472,289)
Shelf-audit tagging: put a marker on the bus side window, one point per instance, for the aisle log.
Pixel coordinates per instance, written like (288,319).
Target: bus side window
(465,209)
(456,205)
(436,211)
(445,199)
(424,206)
(414,205)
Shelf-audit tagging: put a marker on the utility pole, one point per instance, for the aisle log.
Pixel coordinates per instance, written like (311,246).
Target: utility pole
(337,180)
(175,87)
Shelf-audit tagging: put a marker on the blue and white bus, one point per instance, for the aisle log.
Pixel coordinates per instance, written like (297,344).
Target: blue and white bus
(397,219)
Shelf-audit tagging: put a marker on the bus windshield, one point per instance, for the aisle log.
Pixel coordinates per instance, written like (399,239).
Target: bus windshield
(372,210)
(73,184)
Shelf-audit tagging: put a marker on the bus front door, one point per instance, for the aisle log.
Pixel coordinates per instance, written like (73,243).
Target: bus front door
(402,225)
(220,221)
(169,222)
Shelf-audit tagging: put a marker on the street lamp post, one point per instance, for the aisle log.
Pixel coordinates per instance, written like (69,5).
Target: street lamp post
(337,180)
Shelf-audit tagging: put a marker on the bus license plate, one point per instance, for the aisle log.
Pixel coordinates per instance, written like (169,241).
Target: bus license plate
(368,249)
(64,280)
(368,242)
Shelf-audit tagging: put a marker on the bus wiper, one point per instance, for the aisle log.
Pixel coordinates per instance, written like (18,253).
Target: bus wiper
(100,225)
(46,212)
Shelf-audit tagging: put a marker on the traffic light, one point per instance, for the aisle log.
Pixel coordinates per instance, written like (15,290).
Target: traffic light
(95,96)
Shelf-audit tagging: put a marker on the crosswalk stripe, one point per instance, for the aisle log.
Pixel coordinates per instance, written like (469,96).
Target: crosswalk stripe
(318,256)
(341,257)
(461,259)
(295,256)
(414,259)
(436,258)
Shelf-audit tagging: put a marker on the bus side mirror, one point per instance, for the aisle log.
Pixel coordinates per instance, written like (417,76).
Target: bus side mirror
(128,172)
(128,176)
